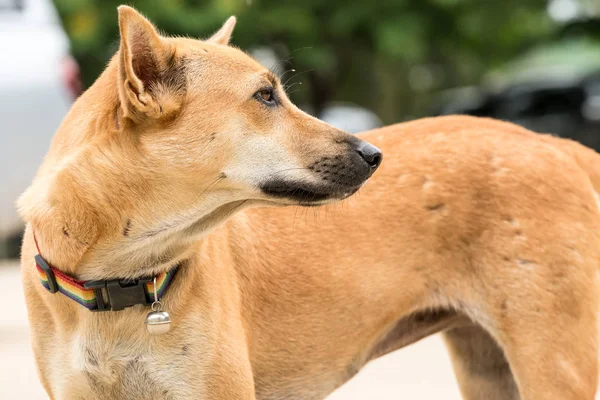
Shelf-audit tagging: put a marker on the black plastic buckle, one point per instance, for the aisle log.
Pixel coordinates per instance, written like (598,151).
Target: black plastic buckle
(52,285)
(121,293)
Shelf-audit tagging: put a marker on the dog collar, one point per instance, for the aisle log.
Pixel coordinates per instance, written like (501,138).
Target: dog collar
(103,295)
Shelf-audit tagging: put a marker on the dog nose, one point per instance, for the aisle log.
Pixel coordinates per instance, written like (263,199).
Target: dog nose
(371,155)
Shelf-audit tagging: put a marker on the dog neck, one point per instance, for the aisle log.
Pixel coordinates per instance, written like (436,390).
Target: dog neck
(143,252)
(137,251)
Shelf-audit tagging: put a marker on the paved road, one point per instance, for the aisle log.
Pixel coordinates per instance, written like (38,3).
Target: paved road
(419,372)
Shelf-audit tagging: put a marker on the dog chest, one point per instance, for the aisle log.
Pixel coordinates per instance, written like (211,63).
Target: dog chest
(129,369)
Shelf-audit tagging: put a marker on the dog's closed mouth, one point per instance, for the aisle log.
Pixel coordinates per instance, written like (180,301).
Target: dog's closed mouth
(294,192)
(305,194)
(300,192)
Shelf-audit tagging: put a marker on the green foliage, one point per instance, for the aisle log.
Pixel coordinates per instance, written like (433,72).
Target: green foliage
(354,50)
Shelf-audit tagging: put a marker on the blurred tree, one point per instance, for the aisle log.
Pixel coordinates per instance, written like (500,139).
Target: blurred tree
(386,55)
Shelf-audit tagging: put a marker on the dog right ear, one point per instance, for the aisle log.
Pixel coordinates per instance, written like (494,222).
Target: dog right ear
(150,84)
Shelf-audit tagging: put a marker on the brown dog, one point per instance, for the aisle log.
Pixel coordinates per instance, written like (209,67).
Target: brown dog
(473,227)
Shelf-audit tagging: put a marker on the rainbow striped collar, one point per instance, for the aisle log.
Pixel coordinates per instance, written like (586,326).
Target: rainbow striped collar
(104,295)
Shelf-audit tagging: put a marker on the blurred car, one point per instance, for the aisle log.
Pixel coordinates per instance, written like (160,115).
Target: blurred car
(553,88)
(38,82)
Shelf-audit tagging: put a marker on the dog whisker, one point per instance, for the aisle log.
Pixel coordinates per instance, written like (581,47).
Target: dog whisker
(297,75)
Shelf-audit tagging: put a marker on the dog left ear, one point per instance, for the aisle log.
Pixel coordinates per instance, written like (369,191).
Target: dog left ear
(150,84)
(223,35)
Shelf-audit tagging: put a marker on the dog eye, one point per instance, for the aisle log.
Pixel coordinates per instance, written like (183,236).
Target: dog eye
(266,96)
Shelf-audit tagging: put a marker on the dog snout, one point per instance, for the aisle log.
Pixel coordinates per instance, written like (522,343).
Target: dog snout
(370,154)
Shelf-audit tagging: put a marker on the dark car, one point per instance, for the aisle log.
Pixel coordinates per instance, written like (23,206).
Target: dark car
(553,88)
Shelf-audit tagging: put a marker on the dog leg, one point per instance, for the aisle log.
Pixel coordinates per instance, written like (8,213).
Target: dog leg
(554,358)
(548,332)
(479,364)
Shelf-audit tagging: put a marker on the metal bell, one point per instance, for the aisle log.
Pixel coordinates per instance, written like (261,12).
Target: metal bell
(158,322)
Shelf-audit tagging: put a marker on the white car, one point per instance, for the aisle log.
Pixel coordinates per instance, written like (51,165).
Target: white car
(38,82)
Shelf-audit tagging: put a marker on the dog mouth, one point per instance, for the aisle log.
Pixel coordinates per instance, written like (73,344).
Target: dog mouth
(305,194)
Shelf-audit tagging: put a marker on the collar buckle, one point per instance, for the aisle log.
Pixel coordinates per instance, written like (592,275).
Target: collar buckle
(52,285)
(121,293)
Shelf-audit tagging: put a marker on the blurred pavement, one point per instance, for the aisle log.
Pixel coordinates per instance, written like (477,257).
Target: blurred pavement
(419,372)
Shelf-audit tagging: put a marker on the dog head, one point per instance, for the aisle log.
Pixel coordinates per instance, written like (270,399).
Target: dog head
(212,111)
(176,135)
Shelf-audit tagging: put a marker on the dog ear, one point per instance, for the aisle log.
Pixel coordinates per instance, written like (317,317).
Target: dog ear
(149,84)
(223,35)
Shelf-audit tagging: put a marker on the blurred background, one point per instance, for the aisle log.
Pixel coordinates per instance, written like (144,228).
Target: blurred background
(357,64)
